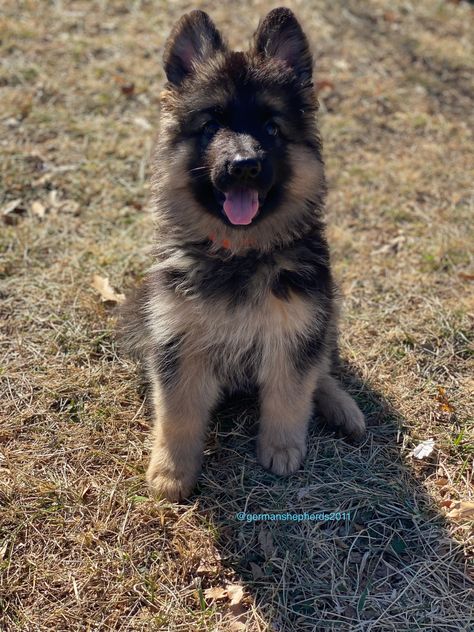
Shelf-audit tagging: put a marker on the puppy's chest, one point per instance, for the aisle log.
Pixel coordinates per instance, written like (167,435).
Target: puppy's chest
(261,301)
(262,313)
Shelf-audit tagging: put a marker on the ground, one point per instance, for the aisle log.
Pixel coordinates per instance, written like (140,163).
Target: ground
(82,545)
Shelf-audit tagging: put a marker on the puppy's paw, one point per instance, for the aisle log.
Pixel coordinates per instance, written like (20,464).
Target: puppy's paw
(280,459)
(172,486)
(349,420)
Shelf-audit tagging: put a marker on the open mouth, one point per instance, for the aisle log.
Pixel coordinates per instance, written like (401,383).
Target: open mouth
(240,204)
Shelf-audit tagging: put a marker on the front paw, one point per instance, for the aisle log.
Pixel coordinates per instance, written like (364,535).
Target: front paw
(280,459)
(170,485)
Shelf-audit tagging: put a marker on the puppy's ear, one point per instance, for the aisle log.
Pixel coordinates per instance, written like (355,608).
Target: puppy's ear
(193,39)
(279,35)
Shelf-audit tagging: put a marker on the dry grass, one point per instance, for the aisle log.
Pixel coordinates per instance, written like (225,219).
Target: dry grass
(82,547)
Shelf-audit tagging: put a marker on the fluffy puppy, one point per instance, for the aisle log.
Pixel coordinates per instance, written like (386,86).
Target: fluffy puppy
(241,291)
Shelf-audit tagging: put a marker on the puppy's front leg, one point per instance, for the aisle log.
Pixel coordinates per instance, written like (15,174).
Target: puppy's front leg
(286,406)
(184,393)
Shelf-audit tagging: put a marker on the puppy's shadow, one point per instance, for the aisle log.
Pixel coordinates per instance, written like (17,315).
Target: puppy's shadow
(386,562)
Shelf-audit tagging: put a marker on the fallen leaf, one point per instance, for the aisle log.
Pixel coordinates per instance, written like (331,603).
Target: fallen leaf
(142,122)
(446,503)
(341,64)
(11,206)
(257,572)
(205,568)
(128,89)
(462,509)
(266,542)
(235,592)
(391,16)
(38,209)
(443,402)
(11,122)
(324,84)
(106,291)
(465,276)
(215,593)
(440,482)
(423,449)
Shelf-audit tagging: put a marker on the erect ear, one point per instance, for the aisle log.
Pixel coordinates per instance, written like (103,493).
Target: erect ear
(279,35)
(194,39)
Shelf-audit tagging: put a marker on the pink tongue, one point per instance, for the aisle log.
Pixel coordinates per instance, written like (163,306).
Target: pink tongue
(241,205)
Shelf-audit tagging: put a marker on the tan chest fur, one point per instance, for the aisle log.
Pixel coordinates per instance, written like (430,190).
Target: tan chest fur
(271,323)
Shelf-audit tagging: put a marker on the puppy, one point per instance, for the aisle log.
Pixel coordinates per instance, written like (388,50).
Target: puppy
(240,292)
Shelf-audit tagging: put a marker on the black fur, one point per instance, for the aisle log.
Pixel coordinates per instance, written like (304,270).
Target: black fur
(216,275)
(166,361)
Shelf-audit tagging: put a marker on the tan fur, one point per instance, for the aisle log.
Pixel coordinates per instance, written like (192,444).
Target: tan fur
(338,408)
(181,417)
(286,407)
(269,321)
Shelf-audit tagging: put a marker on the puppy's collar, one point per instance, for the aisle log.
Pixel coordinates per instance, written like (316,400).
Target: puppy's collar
(226,244)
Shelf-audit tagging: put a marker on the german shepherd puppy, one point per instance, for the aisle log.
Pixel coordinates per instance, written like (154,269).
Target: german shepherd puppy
(241,290)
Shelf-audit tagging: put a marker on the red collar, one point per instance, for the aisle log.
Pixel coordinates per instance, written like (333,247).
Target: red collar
(226,245)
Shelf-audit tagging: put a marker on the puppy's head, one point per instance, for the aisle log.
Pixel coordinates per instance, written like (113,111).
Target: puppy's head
(240,128)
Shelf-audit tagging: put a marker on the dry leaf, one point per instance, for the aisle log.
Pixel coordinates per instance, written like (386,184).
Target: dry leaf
(266,542)
(11,206)
(391,16)
(106,291)
(205,568)
(323,84)
(128,89)
(465,276)
(423,449)
(462,509)
(443,401)
(215,593)
(235,592)
(257,572)
(142,122)
(38,209)
(446,503)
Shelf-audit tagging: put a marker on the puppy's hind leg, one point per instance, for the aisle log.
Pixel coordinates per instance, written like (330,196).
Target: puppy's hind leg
(338,408)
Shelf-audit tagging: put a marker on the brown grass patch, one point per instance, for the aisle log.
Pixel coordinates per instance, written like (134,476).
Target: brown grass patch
(82,547)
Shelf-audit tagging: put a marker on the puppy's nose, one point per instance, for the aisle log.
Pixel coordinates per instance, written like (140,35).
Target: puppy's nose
(245,168)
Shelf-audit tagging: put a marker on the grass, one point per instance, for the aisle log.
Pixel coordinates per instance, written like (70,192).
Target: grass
(82,546)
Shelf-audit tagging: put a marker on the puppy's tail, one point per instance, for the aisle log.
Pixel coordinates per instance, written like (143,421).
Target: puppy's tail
(132,332)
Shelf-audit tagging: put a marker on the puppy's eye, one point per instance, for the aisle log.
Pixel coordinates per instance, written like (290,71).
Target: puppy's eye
(210,127)
(272,128)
